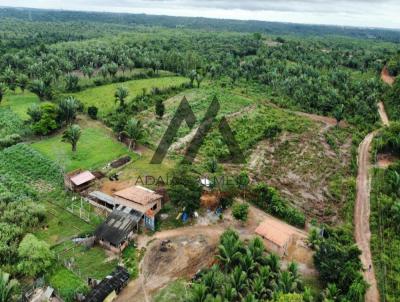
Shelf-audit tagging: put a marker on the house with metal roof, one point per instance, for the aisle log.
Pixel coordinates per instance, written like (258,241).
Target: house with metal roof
(118,229)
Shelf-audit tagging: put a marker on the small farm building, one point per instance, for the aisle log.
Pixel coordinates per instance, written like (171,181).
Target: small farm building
(78,181)
(118,229)
(109,287)
(278,236)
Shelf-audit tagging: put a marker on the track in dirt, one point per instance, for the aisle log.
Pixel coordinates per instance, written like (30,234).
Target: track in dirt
(361,217)
(362,208)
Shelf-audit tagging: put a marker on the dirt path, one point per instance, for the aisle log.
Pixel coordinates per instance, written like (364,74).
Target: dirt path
(382,114)
(362,208)
(361,217)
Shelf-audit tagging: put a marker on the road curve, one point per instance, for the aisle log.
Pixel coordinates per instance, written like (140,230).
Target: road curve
(361,217)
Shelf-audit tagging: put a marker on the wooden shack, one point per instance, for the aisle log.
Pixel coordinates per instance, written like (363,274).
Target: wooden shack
(79,181)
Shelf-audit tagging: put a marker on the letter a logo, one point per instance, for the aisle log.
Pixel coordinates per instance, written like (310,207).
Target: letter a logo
(185,113)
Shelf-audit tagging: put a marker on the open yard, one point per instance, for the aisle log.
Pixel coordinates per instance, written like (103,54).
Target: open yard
(20,102)
(96,148)
(103,96)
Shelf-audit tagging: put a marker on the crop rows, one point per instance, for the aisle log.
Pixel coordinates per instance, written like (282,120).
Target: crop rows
(24,172)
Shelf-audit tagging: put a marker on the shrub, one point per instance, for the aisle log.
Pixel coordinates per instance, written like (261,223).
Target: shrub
(92,112)
(240,211)
(10,140)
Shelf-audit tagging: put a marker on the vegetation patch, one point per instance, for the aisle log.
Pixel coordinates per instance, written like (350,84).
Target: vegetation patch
(95,149)
(103,96)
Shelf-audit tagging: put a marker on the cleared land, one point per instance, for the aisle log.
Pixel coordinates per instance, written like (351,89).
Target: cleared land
(20,102)
(96,147)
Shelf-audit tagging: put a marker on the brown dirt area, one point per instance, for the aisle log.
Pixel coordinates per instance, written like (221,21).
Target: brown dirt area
(386,77)
(303,166)
(192,248)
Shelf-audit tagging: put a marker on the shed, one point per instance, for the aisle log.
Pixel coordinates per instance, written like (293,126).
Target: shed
(277,235)
(78,181)
(110,286)
(116,231)
(102,200)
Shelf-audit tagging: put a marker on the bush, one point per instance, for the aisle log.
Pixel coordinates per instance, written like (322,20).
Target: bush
(10,140)
(240,211)
(92,112)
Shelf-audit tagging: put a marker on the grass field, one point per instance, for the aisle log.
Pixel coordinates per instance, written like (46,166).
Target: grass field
(103,96)
(66,283)
(96,148)
(61,225)
(20,102)
(176,291)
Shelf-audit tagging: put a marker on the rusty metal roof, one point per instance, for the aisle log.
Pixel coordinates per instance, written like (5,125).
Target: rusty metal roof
(138,195)
(82,178)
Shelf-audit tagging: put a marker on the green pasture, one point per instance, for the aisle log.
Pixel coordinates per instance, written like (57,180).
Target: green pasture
(95,149)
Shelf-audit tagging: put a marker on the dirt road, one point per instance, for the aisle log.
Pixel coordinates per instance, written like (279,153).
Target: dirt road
(361,217)
(382,114)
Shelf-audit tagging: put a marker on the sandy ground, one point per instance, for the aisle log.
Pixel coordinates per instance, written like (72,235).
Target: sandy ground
(382,114)
(192,248)
(386,77)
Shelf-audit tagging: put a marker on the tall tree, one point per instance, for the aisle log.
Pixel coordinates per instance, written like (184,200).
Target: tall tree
(22,82)
(134,131)
(68,109)
(72,136)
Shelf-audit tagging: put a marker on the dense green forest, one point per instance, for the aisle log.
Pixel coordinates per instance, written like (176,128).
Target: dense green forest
(73,83)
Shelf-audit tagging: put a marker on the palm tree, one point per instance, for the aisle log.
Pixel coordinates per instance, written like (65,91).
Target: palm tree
(331,292)
(229,293)
(22,81)
(238,279)
(229,251)
(72,136)
(314,238)
(42,89)
(198,293)
(68,109)
(286,283)
(120,95)
(7,287)
(338,113)
(274,263)
(3,90)
(256,249)
(134,131)
(192,76)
